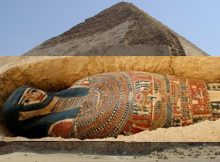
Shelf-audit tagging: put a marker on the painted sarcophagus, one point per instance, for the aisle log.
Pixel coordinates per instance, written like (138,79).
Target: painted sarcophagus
(110,104)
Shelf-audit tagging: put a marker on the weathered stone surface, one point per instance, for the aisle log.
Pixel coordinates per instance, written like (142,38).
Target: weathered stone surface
(122,29)
(56,73)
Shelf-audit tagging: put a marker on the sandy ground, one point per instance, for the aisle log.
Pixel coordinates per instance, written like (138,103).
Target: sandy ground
(191,154)
(207,131)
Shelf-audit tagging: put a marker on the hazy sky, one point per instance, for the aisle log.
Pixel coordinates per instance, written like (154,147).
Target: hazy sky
(25,24)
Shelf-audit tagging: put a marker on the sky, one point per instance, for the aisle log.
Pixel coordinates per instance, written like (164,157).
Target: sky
(24,24)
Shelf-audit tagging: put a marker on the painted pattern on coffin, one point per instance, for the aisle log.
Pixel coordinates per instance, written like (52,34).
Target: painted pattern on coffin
(128,103)
(106,108)
(167,101)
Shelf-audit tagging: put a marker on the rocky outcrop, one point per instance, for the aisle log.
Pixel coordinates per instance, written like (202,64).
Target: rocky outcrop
(122,29)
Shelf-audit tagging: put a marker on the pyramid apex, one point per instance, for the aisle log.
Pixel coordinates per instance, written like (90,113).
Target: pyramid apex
(122,29)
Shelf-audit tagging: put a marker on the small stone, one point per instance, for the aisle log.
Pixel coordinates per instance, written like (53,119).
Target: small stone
(175,150)
(160,157)
(181,153)
(80,153)
(25,154)
(200,147)
(212,157)
(198,154)
(165,157)
(195,156)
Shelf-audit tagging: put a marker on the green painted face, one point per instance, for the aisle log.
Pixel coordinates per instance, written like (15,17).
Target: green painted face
(29,111)
(24,100)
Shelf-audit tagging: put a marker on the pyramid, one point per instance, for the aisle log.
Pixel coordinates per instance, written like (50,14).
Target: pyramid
(122,29)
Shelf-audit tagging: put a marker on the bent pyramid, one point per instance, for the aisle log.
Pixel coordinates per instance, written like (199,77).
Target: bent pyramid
(122,29)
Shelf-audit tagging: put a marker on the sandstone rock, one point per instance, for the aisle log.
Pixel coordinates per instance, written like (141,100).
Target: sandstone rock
(122,29)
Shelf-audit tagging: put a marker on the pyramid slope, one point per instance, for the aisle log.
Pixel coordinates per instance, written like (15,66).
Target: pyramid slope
(122,29)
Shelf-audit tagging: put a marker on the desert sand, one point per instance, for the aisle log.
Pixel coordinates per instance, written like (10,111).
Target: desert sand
(207,131)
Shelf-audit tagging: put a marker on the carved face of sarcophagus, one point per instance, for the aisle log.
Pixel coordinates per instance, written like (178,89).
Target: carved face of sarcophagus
(110,104)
